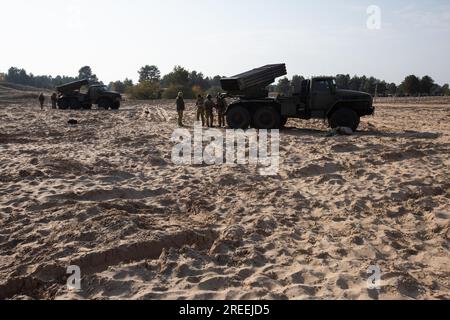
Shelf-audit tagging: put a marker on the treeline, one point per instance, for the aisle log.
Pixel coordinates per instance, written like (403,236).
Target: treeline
(411,86)
(20,76)
(152,85)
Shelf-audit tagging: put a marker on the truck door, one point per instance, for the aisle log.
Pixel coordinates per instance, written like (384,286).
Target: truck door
(322,96)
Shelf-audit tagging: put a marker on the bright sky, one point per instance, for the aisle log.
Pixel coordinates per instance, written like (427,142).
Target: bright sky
(226,37)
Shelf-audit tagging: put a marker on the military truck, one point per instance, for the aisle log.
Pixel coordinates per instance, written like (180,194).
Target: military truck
(70,96)
(318,98)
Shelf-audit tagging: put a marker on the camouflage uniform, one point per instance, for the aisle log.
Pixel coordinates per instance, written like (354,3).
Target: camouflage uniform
(180,109)
(41,100)
(200,109)
(221,109)
(54,100)
(209,108)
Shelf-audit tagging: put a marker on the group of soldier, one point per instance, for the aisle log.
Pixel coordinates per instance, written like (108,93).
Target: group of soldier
(205,110)
(53,98)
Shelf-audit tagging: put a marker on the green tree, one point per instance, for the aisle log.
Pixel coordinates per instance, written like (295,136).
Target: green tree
(426,83)
(343,81)
(392,89)
(149,73)
(284,86)
(172,91)
(446,89)
(296,82)
(197,79)
(145,90)
(411,85)
(178,77)
(86,73)
(118,86)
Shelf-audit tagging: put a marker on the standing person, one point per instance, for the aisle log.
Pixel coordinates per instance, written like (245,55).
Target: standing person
(209,109)
(41,100)
(54,99)
(180,108)
(200,109)
(221,109)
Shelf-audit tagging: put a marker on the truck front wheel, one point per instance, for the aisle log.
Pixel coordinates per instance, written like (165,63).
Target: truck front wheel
(344,117)
(104,104)
(238,117)
(267,118)
(116,105)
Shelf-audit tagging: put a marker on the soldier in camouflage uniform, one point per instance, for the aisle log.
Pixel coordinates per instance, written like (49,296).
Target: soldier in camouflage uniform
(54,99)
(180,108)
(221,109)
(200,109)
(209,108)
(41,100)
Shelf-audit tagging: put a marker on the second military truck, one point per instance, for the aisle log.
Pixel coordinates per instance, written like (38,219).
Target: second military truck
(71,97)
(318,98)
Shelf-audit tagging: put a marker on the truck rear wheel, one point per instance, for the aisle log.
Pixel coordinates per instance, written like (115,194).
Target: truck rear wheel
(284,121)
(344,117)
(267,118)
(238,117)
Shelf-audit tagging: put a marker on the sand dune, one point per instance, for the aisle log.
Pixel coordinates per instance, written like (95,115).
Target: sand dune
(104,195)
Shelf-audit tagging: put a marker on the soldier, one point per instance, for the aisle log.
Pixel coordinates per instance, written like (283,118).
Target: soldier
(180,108)
(41,100)
(209,109)
(54,98)
(200,109)
(221,109)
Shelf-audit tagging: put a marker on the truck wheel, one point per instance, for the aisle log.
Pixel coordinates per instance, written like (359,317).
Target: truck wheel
(284,120)
(63,104)
(104,104)
(267,118)
(75,104)
(344,117)
(116,106)
(238,117)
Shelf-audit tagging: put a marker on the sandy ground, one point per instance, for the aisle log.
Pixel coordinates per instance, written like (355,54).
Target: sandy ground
(104,195)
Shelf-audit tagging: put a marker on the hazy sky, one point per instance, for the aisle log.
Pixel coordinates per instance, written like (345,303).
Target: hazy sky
(226,37)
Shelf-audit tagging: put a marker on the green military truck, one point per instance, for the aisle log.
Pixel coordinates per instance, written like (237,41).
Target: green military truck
(318,98)
(70,96)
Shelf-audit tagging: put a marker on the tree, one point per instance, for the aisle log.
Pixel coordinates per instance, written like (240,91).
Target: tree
(117,86)
(426,83)
(145,90)
(392,89)
(446,89)
(178,77)
(149,73)
(284,86)
(343,81)
(411,85)
(197,79)
(296,82)
(86,73)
